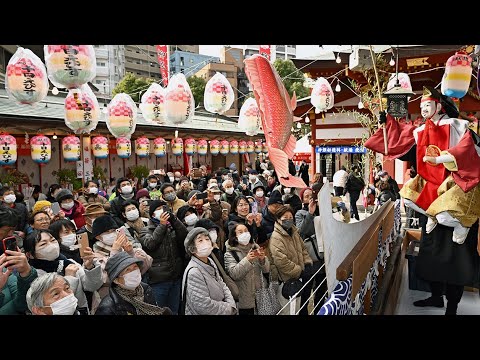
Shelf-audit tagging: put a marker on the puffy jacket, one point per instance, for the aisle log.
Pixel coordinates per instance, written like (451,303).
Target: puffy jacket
(165,245)
(206,293)
(114,304)
(268,221)
(13,295)
(77,214)
(304,223)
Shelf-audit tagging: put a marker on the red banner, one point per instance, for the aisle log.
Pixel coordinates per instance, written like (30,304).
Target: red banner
(265,51)
(163,60)
(302,156)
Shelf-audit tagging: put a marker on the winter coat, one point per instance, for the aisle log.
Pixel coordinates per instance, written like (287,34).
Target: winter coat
(215,212)
(87,199)
(116,210)
(114,304)
(22,213)
(245,274)
(268,221)
(164,243)
(230,198)
(354,184)
(288,252)
(304,223)
(77,214)
(13,295)
(206,293)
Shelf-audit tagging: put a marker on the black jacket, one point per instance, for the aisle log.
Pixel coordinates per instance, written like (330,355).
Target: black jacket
(22,213)
(268,222)
(116,210)
(165,245)
(113,304)
(354,184)
(258,234)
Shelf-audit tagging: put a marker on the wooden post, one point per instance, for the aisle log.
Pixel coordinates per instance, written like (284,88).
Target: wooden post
(380,101)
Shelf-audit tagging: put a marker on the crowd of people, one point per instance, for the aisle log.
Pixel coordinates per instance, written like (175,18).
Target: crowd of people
(202,243)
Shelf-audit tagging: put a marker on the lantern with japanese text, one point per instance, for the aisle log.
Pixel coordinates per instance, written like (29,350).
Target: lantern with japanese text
(234,147)
(26,79)
(224,147)
(179,101)
(153,104)
(458,72)
(159,147)
(41,149)
(249,119)
(177,147)
(403,80)
(81,110)
(250,147)
(214,147)
(218,96)
(121,116)
(8,144)
(202,147)
(70,66)
(100,147)
(71,148)
(124,147)
(322,95)
(242,147)
(264,147)
(142,147)
(258,147)
(190,146)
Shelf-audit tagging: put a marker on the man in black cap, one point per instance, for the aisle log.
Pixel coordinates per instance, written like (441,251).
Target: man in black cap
(268,213)
(127,294)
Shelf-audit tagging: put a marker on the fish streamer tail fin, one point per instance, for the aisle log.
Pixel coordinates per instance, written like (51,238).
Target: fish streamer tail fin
(279,160)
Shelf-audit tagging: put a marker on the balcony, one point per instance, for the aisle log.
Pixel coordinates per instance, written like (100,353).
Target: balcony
(102,71)
(101,53)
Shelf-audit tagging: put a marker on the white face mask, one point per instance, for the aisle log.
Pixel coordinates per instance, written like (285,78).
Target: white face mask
(67,206)
(65,306)
(126,190)
(171,178)
(132,215)
(69,240)
(9,199)
(177,179)
(259,193)
(191,219)
(229,191)
(213,235)
(152,185)
(132,280)
(49,252)
(244,238)
(216,197)
(204,251)
(252,178)
(287,190)
(94,190)
(109,239)
(157,214)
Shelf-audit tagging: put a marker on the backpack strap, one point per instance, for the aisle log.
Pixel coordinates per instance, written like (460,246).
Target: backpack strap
(184,300)
(235,255)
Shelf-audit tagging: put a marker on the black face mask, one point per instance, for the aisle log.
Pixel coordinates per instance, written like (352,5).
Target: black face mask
(287,224)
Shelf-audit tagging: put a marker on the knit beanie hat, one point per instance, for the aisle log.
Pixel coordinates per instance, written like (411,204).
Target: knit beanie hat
(102,224)
(39,205)
(64,194)
(193,192)
(275,198)
(183,210)
(142,193)
(303,191)
(154,205)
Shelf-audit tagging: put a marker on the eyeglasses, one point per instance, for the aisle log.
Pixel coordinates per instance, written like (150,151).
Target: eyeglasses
(44,219)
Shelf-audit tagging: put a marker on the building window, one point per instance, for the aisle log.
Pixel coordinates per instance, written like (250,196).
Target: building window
(100,63)
(181,61)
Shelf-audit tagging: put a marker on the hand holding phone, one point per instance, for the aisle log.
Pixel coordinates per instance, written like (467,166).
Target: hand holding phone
(82,240)
(254,208)
(55,208)
(9,243)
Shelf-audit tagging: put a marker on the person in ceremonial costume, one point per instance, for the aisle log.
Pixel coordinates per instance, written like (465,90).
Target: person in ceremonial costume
(445,191)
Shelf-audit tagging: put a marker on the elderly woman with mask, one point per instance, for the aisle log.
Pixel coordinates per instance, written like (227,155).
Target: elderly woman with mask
(203,290)
(128,295)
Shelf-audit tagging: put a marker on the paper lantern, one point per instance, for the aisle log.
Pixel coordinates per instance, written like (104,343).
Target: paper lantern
(124,147)
(234,147)
(153,104)
(224,147)
(100,147)
(458,72)
(322,95)
(202,147)
(214,147)
(190,146)
(41,149)
(81,110)
(71,148)
(26,78)
(9,149)
(177,147)
(179,102)
(403,80)
(242,147)
(121,116)
(250,147)
(142,147)
(159,147)
(218,96)
(264,147)
(70,66)
(258,147)
(249,119)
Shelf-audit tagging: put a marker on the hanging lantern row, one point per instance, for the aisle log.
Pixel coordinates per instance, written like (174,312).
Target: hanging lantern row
(71,148)
(9,149)
(41,149)
(100,147)
(142,147)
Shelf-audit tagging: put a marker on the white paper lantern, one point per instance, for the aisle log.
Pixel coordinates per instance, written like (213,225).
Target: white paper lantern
(179,102)
(100,147)
(81,110)
(41,149)
(322,95)
(142,147)
(124,147)
(153,104)
(71,148)
(249,119)
(8,147)
(159,147)
(218,96)
(122,116)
